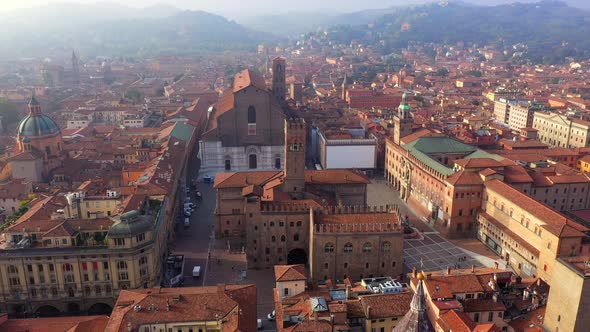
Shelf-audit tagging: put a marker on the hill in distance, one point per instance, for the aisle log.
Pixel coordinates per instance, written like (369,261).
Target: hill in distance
(548,31)
(114,30)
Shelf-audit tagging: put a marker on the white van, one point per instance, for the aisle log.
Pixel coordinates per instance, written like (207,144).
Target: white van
(196,271)
(187,222)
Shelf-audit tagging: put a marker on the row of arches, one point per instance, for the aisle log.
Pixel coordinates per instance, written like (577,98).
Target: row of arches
(70,309)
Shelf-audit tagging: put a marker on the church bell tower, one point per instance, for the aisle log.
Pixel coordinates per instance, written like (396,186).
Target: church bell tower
(402,121)
(279,80)
(294,173)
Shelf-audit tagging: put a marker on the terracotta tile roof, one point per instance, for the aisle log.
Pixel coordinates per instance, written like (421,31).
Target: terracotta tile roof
(556,223)
(354,309)
(290,272)
(420,133)
(387,305)
(483,305)
(195,304)
(246,78)
(478,163)
(311,326)
(335,176)
(242,179)
(455,321)
(487,172)
(56,324)
(532,321)
(464,178)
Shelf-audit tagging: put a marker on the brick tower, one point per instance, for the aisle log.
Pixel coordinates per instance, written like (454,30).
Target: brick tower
(294,172)
(279,80)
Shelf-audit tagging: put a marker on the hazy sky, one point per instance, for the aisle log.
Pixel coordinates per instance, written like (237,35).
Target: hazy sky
(240,8)
(235,7)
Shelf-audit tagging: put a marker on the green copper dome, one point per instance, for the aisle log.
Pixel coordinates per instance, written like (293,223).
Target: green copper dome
(34,125)
(130,224)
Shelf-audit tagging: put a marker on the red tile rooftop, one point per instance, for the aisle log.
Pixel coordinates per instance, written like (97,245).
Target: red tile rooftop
(289,272)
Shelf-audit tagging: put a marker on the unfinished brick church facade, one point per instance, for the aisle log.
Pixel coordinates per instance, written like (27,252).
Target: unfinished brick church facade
(317,217)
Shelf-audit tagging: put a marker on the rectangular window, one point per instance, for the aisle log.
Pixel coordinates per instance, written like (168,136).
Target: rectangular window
(228,165)
(490,316)
(251,129)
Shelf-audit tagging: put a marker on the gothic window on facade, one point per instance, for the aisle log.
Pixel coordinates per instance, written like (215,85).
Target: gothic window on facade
(228,165)
(278,163)
(348,247)
(329,247)
(386,246)
(367,247)
(251,120)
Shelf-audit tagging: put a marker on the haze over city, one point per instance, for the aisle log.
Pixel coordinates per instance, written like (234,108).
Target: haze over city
(236,9)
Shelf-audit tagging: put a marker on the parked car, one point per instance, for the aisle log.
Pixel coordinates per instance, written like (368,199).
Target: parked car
(189,206)
(271,316)
(196,271)
(259,323)
(208,178)
(187,222)
(188,212)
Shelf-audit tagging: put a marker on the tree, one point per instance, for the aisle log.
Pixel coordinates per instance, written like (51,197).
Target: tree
(134,96)
(8,112)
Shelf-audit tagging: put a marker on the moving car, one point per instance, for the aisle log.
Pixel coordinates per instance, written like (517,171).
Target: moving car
(208,179)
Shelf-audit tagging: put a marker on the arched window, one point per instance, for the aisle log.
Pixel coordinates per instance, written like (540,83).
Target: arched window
(283,238)
(272,223)
(329,247)
(273,239)
(348,247)
(251,114)
(299,224)
(252,161)
(367,247)
(71,292)
(296,237)
(386,246)
(228,164)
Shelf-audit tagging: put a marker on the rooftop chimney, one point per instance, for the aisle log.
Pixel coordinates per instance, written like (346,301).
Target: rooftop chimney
(473,268)
(496,265)
(448,270)
(414,272)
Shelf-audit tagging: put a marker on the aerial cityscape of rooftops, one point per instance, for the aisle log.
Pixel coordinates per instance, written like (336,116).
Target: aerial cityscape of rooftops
(386,166)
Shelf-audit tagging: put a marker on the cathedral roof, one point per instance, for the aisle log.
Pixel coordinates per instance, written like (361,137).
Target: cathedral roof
(247,78)
(416,319)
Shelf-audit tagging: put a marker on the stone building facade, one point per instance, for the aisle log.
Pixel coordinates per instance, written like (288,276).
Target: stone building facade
(244,129)
(355,244)
(78,266)
(560,131)
(271,215)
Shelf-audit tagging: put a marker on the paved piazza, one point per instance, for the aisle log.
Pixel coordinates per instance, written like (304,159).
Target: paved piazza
(436,253)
